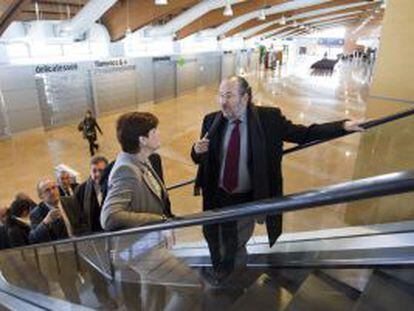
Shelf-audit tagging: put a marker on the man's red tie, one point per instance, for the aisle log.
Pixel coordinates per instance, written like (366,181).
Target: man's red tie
(231,165)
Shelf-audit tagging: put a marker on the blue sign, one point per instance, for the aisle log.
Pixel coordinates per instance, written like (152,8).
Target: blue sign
(331,41)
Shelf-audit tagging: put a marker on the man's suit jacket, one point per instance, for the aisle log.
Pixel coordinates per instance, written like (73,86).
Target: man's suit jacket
(63,193)
(267,130)
(40,232)
(4,238)
(89,207)
(131,200)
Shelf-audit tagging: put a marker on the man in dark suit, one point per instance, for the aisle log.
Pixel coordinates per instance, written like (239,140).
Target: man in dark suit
(52,220)
(55,217)
(239,160)
(90,197)
(66,185)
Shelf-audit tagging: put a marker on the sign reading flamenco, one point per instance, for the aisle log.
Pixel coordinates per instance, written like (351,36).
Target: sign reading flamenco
(111,63)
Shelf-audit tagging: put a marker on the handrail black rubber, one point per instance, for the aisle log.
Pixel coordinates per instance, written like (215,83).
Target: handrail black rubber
(382,185)
(364,125)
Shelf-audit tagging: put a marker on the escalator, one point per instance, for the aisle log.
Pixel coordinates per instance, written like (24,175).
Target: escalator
(157,267)
(166,266)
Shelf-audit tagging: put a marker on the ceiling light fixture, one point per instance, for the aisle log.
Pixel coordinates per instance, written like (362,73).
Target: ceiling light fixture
(161,2)
(295,24)
(262,15)
(282,20)
(228,11)
(37,10)
(68,12)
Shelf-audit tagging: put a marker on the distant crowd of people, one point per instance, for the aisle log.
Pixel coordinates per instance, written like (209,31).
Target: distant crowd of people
(367,56)
(238,155)
(67,208)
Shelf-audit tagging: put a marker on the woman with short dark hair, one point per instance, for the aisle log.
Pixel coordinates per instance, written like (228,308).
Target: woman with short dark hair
(136,194)
(132,125)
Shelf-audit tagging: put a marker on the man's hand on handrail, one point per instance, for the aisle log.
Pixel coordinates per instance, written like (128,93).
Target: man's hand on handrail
(353,126)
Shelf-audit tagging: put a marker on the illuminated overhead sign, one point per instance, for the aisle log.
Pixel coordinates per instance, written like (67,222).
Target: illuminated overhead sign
(111,63)
(331,41)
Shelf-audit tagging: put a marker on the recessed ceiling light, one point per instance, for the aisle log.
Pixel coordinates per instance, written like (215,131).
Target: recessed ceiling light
(228,11)
(161,2)
(262,15)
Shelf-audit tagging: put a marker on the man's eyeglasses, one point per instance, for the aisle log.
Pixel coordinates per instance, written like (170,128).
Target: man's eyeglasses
(50,188)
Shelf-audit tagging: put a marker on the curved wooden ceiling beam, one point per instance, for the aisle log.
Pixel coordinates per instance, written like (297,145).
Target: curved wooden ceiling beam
(10,10)
(275,17)
(299,32)
(283,31)
(141,13)
(350,17)
(216,17)
(303,20)
(275,32)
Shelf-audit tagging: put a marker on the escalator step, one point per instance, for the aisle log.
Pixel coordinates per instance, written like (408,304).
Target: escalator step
(264,294)
(386,293)
(315,294)
(354,278)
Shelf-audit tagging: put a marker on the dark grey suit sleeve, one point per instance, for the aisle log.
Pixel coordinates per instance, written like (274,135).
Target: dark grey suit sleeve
(73,211)
(17,237)
(39,232)
(301,134)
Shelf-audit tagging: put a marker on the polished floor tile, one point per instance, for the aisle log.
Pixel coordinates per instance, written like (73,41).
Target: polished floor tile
(302,97)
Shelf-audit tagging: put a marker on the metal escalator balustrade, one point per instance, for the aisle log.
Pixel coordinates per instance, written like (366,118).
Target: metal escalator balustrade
(365,125)
(67,269)
(377,186)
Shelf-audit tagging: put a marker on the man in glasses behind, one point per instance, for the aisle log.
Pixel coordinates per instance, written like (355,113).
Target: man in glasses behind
(53,218)
(90,197)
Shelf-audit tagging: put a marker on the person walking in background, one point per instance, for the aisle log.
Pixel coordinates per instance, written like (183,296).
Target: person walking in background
(88,127)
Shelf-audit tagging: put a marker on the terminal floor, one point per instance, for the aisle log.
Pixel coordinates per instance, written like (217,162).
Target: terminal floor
(303,97)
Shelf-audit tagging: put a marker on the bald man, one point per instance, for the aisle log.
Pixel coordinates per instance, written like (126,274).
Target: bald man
(55,217)
(239,159)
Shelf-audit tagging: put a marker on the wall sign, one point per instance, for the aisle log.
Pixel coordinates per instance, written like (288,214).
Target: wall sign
(111,63)
(56,68)
(331,41)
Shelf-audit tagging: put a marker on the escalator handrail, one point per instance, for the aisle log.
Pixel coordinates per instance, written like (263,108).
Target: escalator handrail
(365,125)
(371,187)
